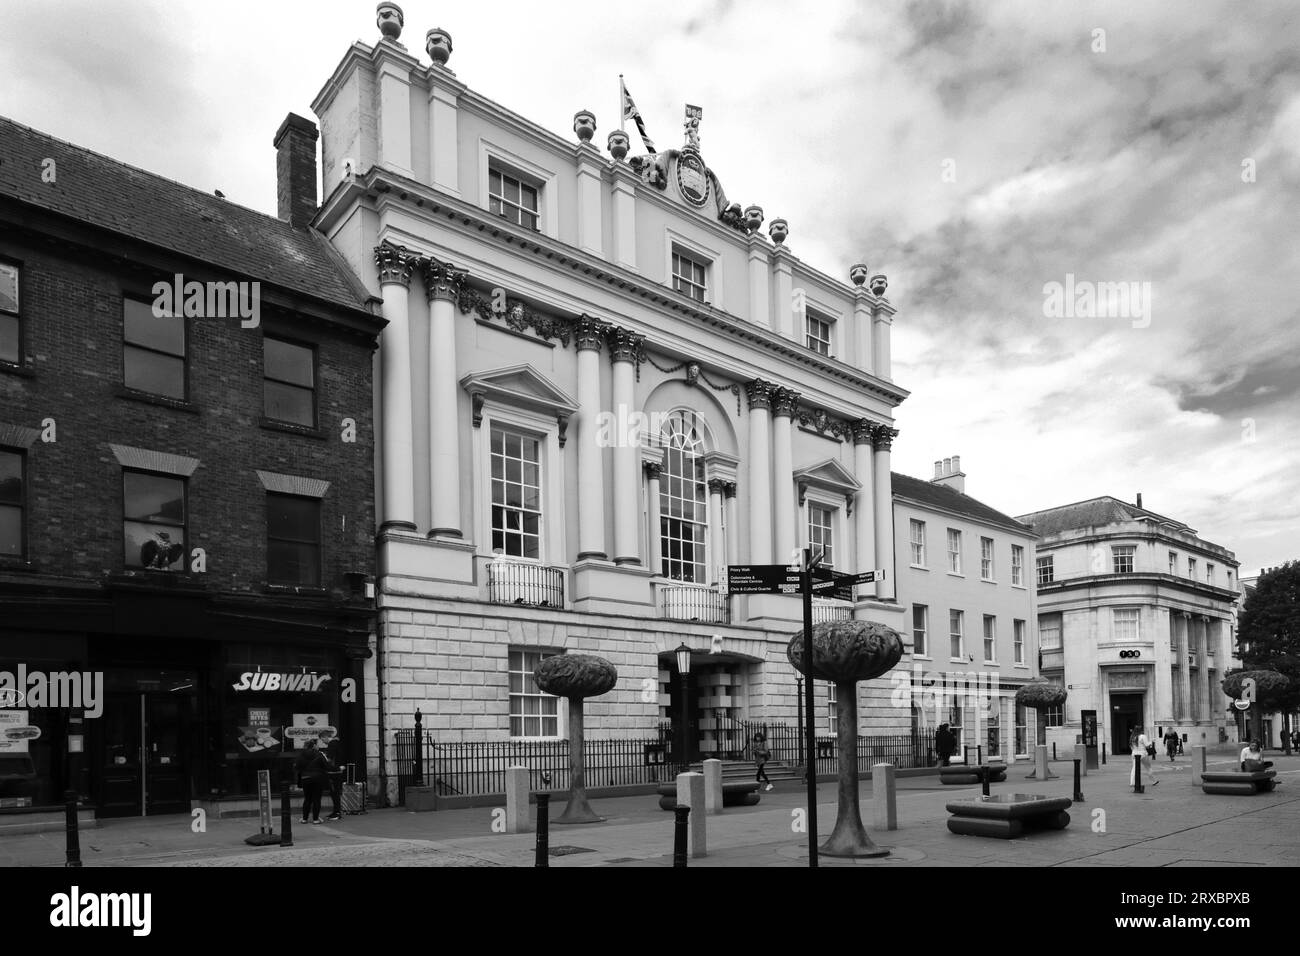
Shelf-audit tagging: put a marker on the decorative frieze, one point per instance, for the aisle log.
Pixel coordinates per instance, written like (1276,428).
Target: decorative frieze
(518,317)
(820,421)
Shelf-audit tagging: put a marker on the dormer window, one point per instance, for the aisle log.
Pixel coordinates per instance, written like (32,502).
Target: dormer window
(512,197)
(689,275)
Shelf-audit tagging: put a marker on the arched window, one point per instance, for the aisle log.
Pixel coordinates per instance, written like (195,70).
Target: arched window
(683,502)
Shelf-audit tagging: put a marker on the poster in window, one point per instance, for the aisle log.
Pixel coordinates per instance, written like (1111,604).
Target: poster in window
(16,732)
(311,727)
(260,740)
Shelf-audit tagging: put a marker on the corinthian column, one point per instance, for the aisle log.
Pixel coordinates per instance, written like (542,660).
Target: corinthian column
(864,508)
(733,529)
(717,543)
(591,486)
(784,403)
(624,347)
(883,438)
(652,469)
(760,473)
(395,265)
(442,284)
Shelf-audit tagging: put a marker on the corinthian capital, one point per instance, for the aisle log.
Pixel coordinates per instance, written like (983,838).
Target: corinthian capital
(589,332)
(395,263)
(863,429)
(624,345)
(760,393)
(884,437)
(442,280)
(785,401)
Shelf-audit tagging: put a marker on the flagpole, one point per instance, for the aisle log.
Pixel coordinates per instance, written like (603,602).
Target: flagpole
(622,100)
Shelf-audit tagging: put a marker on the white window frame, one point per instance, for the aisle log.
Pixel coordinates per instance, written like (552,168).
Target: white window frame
(832,716)
(523,434)
(510,206)
(1041,562)
(959,634)
(1059,630)
(1017,565)
(917,556)
(1118,551)
(1018,631)
(711,561)
(810,316)
(561,711)
(1191,568)
(1173,563)
(924,652)
(954,554)
(1115,634)
(987,573)
(813,500)
(710,258)
(551,549)
(543,179)
(990,638)
(1209,573)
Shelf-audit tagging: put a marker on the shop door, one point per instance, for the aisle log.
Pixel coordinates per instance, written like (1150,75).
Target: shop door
(1126,716)
(145,771)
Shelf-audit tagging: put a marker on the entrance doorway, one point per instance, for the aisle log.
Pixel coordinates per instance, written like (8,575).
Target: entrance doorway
(144,769)
(1126,716)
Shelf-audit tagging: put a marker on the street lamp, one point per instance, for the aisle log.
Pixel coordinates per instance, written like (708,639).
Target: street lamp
(683,670)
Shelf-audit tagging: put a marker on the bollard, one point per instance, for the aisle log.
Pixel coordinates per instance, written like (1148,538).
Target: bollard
(1103,753)
(1078,789)
(1198,763)
(74,833)
(1081,757)
(690,793)
(517,800)
(884,796)
(286,816)
(984,779)
(543,835)
(1053,749)
(1040,762)
(1137,774)
(979,753)
(680,814)
(713,786)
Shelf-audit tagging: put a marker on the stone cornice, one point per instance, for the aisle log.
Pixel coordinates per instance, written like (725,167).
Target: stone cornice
(1171,581)
(383,186)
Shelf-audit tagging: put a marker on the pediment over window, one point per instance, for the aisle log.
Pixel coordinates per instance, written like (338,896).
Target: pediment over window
(829,476)
(520,386)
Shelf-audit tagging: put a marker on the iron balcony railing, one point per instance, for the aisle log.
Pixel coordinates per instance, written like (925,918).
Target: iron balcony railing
(693,603)
(532,585)
(823,610)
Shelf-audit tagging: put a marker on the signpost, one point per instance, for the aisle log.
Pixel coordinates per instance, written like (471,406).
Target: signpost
(789,579)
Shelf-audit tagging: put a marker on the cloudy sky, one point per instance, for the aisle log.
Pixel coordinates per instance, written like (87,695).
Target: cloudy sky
(973,152)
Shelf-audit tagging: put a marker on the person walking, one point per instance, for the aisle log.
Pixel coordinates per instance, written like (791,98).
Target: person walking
(1171,743)
(313,774)
(945,744)
(762,754)
(1142,748)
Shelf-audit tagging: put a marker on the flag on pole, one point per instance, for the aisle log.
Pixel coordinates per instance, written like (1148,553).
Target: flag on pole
(631,112)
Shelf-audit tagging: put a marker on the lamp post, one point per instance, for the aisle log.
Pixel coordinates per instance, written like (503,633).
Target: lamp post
(799,704)
(683,670)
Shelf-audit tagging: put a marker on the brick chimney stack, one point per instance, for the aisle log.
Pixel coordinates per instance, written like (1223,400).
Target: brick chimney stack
(295,170)
(948,472)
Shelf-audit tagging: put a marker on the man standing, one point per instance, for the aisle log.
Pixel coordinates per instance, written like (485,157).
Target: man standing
(945,744)
(334,753)
(1139,744)
(1171,743)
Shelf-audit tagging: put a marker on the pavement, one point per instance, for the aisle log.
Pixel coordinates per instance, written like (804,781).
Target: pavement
(1172,824)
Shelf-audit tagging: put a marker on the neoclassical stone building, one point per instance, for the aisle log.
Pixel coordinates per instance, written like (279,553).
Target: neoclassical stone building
(1135,616)
(599,385)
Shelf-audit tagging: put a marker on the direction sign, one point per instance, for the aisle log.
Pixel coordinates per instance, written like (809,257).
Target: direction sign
(762,579)
(866,577)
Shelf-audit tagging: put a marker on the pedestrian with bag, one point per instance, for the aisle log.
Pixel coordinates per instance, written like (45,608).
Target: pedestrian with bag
(313,775)
(762,754)
(334,754)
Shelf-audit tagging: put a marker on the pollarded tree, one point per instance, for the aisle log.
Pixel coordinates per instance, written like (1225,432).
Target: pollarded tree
(1272,692)
(576,676)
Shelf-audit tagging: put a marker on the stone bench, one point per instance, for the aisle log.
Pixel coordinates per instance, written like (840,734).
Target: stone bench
(741,793)
(1260,781)
(962,774)
(1008,815)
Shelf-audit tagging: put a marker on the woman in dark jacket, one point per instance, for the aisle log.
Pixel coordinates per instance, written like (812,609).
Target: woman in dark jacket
(313,774)
(945,744)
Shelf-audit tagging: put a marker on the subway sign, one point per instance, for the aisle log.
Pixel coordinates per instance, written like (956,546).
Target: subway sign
(284,683)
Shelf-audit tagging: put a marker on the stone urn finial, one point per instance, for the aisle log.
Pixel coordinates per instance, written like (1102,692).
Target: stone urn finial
(879,284)
(576,676)
(437,43)
(778,229)
(390,20)
(584,124)
(618,144)
(845,652)
(858,273)
(753,218)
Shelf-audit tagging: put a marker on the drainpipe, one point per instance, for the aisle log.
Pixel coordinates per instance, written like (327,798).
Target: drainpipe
(380,683)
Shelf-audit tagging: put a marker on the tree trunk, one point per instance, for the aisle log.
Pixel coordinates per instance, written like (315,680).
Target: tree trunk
(849,838)
(578,810)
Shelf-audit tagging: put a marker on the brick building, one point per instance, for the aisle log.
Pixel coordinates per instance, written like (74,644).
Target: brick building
(186,489)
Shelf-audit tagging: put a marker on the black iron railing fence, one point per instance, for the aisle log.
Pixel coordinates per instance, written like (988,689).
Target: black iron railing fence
(705,605)
(479,767)
(518,582)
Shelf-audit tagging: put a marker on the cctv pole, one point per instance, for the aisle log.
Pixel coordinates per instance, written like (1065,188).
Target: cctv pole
(810,741)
